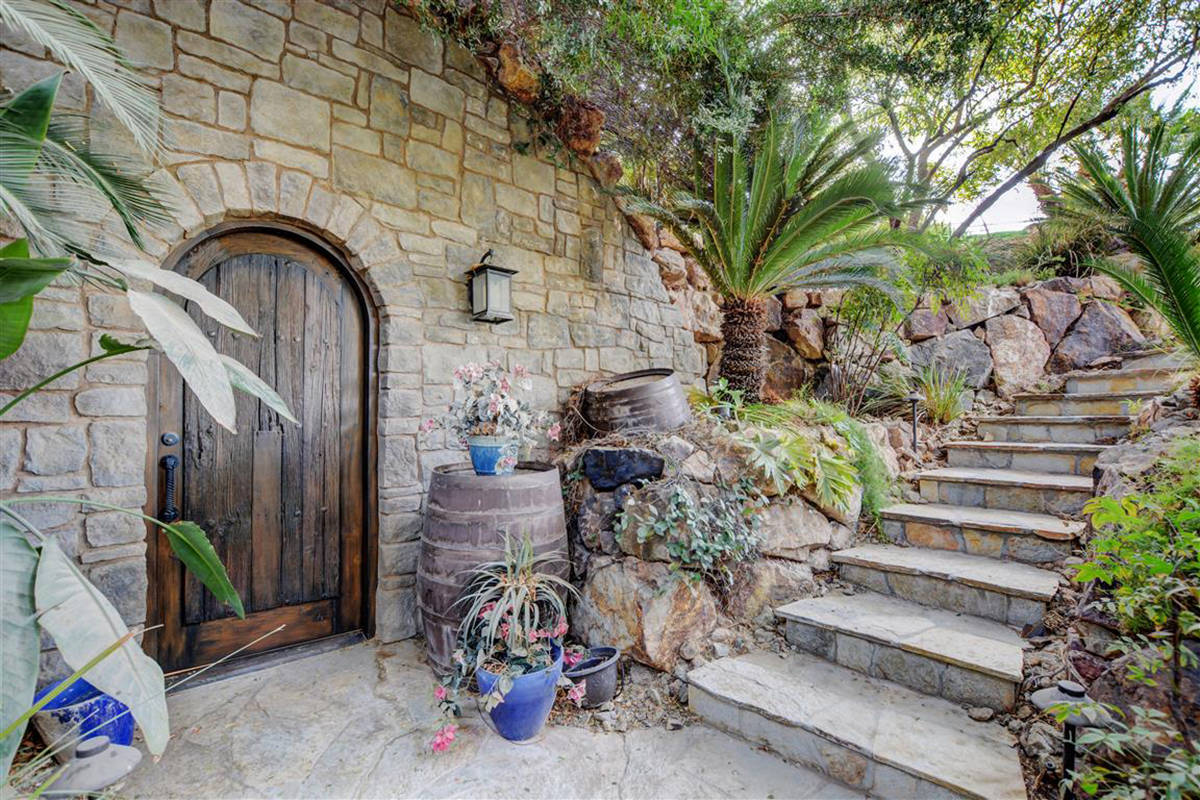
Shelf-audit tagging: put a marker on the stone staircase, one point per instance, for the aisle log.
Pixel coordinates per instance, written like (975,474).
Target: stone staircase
(874,693)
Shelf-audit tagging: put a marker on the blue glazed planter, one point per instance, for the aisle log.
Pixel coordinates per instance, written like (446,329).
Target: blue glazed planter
(96,713)
(486,452)
(527,705)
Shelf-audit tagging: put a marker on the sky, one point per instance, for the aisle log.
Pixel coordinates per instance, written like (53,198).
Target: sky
(1018,207)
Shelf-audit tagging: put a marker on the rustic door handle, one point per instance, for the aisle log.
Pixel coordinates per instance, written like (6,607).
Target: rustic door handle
(170,511)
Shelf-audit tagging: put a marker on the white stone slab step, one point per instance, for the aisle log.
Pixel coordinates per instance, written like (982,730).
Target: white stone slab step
(995,533)
(1131,379)
(1079,429)
(1005,591)
(871,734)
(1066,457)
(1012,489)
(1080,403)
(961,658)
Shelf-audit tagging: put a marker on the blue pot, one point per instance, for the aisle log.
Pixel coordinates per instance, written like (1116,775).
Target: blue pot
(486,452)
(96,714)
(527,704)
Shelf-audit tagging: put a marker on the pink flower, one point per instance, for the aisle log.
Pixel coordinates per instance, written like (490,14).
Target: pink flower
(560,629)
(487,609)
(443,738)
(555,431)
(577,692)
(428,425)
(440,693)
(572,657)
(503,630)
(520,371)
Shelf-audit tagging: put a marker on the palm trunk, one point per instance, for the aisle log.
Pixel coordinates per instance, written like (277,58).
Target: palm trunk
(743,355)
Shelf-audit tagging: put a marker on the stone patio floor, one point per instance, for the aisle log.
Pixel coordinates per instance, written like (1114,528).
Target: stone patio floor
(356,722)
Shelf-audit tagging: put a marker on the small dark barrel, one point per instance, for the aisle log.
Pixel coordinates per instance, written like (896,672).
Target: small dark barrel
(466,518)
(650,400)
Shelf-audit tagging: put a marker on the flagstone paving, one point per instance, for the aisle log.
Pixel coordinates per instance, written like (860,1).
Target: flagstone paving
(356,723)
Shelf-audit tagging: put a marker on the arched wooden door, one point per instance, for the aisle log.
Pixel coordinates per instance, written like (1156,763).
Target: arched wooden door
(286,506)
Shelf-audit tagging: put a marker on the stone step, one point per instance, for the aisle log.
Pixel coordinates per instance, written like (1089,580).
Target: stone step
(1012,489)
(1066,457)
(1163,379)
(872,734)
(1006,591)
(1081,403)
(961,658)
(1074,430)
(1015,535)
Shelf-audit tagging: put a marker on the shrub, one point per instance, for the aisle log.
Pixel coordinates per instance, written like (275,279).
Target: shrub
(941,392)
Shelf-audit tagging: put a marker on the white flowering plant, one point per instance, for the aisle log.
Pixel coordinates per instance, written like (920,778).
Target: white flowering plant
(488,401)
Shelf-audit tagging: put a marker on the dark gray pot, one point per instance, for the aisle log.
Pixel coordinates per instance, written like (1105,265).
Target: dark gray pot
(599,668)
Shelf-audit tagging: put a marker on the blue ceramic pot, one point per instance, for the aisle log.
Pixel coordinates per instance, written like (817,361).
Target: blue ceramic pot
(527,704)
(96,713)
(486,452)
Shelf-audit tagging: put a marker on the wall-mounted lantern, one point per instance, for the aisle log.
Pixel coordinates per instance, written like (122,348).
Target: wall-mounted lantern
(489,288)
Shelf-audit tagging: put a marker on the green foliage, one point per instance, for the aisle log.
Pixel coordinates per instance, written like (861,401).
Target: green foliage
(941,392)
(1151,203)
(1065,246)
(705,538)
(18,627)
(1145,562)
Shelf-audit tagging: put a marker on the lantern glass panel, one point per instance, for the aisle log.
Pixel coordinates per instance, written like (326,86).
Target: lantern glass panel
(499,295)
(479,294)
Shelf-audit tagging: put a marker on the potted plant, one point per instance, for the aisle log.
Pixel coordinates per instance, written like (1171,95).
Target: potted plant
(510,641)
(489,418)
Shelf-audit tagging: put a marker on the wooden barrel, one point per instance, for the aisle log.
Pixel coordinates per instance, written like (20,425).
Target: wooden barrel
(466,518)
(650,400)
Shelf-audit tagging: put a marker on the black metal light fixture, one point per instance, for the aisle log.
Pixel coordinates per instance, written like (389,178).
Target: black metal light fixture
(489,288)
(914,398)
(1082,713)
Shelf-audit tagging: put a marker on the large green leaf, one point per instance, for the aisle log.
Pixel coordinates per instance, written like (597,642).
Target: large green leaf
(190,351)
(244,379)
(14,321)
(19,632)
(192,290)
(189,542)
(29,115)
(83,623)
(22,276)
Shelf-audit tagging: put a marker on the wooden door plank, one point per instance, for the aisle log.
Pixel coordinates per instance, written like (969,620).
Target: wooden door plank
(352,435)
(268,522)
(331,529)
(316,337)
(289,371)
(212,640)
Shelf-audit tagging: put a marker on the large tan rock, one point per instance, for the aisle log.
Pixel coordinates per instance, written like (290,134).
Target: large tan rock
(671,268)
(701,314)
(806,331)
(766,583)
(1053,312)
(644,609)
(580,125)
(990,302)
(1019,353)
(925,323)
(881,436)
(790,528)
(774,314)
(786,371)
(517,77)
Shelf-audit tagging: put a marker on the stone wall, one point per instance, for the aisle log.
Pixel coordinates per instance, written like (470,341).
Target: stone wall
(344,118)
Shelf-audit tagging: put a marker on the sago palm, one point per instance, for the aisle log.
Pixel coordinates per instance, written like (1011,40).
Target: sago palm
(804,210)
(1151,202)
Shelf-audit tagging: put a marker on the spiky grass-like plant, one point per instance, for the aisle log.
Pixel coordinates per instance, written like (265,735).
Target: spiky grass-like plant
(941,392)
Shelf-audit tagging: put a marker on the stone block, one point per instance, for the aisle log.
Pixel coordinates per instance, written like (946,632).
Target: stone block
(389,106)
(191,137)
(186,15)
(396,613)
(124,583)
(312,78)
(111,402)
(144,40)
(248,28)
(790,529)
(218,76)
(375,177)
(437,95)
(399,558)
(108,528)
(404,36)
(281,112)
(42,354)
(55,450)
(325,17)
(188,98)
(118,453)
(10,456)
(425,157)
(41,407)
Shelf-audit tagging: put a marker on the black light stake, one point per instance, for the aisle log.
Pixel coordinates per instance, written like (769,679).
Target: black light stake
(914,398)
(1083,714)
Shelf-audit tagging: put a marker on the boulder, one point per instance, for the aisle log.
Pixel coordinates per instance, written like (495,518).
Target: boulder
(925,323)
(606,168)
(788,529)
(671,268)
(1019,353)
(786,371)
(594,522)
(669,239)
(645,609)
(580,125)
(701,314)
(1053,312)
(806,331)
(774,313)
(990,302)
(1105,288)
(645,229)
(880,436)
(764,584)
(1064,284)
(607,468)
(960,350)
(794,299)
(517,78)
(847,514)
(699,466)
(1102,329)
(697,277)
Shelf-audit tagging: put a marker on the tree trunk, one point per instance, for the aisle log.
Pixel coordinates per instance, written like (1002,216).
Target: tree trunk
(743,354)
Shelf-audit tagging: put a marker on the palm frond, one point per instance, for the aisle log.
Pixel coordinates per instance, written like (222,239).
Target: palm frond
(75,41)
